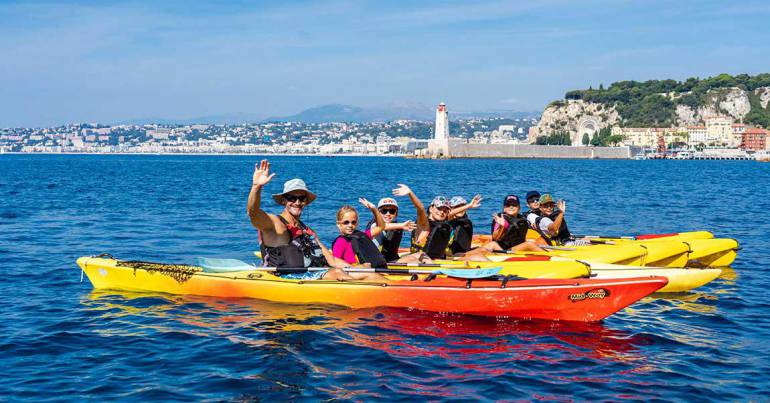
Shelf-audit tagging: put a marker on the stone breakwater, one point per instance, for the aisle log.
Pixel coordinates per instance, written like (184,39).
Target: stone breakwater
(537,151)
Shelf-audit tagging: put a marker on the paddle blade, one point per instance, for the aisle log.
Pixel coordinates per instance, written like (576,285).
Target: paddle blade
(212,265)
(470,273)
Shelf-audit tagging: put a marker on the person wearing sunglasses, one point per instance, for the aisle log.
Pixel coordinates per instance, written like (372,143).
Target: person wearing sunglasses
(533,204)
(434,233)
(285,241)
(462,226)
(389,240)
(550,223)
(509,229)
(356,247)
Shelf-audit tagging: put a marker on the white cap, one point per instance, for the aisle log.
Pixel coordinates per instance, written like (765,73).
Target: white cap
(387,201)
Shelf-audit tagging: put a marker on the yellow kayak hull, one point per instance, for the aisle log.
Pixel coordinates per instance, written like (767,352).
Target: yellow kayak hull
(717,252)
(701,252)
(679,279)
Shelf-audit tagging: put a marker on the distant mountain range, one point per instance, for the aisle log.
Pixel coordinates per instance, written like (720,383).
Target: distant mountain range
(338,113)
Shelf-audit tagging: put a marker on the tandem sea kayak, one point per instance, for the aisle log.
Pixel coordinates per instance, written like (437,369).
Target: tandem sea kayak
(703,249)
(697,248)
(582,300)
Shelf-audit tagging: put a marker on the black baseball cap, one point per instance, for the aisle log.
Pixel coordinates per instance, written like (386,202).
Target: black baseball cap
(532,194)
(511,200)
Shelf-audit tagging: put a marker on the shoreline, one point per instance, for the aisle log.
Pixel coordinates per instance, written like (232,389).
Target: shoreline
(207,154)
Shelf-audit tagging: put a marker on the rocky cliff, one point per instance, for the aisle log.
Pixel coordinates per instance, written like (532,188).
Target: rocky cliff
(575,117)
(666,103)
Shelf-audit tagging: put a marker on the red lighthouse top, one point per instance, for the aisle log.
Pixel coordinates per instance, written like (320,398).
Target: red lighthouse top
(442,107)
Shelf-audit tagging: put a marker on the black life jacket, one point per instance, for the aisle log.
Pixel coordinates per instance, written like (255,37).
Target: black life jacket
(561,237)
(301,251)
(462,234)
(515,234)
(366,251)
(439,236)
(536,212)
(388,242)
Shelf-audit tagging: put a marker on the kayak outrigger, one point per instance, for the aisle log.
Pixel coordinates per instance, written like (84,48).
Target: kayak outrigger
(583,300)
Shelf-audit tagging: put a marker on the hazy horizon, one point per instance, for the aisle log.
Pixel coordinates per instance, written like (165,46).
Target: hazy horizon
(122,61)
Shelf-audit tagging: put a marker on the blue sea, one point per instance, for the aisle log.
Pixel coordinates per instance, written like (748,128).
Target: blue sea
(64,341)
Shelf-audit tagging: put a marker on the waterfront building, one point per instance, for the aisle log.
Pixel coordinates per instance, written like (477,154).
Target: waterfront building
(697,135)
(719,130)
(647,137)
(754,139)
(738,129)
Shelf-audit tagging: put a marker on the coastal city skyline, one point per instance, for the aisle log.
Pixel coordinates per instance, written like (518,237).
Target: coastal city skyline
(119,62)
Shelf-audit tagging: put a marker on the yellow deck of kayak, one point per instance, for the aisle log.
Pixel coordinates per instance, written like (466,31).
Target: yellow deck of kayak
(662,254)
(526,269)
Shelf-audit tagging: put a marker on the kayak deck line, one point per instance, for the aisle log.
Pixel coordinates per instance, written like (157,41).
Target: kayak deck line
(395,283)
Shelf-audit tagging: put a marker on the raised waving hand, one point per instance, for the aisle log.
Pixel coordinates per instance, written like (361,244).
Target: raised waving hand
(262,173)
(476,201)
(367,203)
(409,225)
(402,190)
(562,205)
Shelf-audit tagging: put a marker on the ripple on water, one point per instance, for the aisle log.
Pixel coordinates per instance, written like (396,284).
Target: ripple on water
(64,339)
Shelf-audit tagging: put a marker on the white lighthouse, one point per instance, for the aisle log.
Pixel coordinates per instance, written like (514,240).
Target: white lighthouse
(442,123)
(439,146)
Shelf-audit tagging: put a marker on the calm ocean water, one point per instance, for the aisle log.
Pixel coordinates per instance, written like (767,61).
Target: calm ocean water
(64,341)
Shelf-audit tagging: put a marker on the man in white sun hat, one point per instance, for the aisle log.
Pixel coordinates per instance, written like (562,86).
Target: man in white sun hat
(285,241)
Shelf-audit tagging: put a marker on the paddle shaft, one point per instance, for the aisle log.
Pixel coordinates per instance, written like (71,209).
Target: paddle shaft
(287,270)
(604,236)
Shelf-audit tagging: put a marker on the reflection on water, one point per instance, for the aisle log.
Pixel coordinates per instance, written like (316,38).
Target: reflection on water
(468,347)
(729,275)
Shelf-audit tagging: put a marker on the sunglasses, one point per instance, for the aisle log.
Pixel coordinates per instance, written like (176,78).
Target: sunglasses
(346,222)
(388,211)
(510,205)
(533,201)
(548,205)
(293,198)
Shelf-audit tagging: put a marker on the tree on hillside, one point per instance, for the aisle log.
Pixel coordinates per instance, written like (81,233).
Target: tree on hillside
(558,138)
(586,139)
(641,104)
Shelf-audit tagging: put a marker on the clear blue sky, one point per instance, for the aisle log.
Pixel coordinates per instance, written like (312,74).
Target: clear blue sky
(104,61)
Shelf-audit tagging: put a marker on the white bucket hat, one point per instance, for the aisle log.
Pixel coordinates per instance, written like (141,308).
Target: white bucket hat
(292,185)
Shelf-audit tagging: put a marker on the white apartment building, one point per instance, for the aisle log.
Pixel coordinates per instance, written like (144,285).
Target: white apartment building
(720,131)
(697,135)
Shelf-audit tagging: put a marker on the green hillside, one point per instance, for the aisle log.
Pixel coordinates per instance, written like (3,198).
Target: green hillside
(640,104)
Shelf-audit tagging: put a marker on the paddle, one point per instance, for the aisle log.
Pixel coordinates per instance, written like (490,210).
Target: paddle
(211,265)
(604,236)
(600,242)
